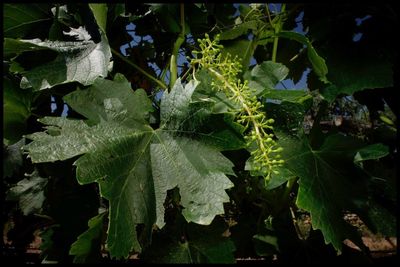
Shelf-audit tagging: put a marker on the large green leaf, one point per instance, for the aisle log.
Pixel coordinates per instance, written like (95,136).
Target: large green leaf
(134,164)
(82,61)
(89,242)
(329,183)
(356,73)
(197,170)
(29,192)
(20,19)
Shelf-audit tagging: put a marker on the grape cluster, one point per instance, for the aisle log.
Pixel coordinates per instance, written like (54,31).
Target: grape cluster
(264,150)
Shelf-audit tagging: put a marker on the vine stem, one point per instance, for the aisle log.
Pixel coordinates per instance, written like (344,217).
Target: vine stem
(148,75)
(277,29)
(174,57)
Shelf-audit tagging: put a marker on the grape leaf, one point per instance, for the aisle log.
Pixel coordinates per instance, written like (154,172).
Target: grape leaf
(134,164)
(82,61)
(82,248)
(329,183)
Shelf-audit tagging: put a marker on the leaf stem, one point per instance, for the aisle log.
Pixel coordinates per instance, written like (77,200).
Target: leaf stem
(181,38)
(149,76)
(277,28)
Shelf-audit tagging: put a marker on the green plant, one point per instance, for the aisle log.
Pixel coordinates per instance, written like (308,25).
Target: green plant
(208,146)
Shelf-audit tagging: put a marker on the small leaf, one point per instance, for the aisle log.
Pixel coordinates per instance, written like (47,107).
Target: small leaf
(238,30)
(266,75)
(86,249)
(374,151)
(100,14)
(277,179)
(12,160)
(204,244)
(266,245)
(293,96)
(317,62)
(29,193)
(294,36)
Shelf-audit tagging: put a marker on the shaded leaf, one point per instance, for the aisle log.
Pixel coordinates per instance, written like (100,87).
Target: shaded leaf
(168,16)
(16,110)
(88,244)
(29,193)
(203,244)
(12,160)
(288,116)
(374,151)
(357,74)
(324,189)
(266,245)
(382,220)
(242,48)
(277,179)
(20,19)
